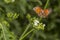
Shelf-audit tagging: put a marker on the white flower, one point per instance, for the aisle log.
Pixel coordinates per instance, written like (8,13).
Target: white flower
(38,25)
(36,22)
(43,25)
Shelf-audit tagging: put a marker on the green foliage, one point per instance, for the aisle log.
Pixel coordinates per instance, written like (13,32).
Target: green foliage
(8,1)
(18,21)
(12,16)
(5,33)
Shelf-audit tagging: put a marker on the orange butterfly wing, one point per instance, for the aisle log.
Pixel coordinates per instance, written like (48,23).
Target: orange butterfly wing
(46,12)
(37,9)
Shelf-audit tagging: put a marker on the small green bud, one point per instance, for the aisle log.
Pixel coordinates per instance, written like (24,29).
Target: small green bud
(41,26)
(15,15)
(12,16)
(5,23)
(9,14)
(28,16)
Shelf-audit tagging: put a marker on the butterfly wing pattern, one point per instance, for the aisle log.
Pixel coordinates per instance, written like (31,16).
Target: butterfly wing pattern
(42,13)
(37,9)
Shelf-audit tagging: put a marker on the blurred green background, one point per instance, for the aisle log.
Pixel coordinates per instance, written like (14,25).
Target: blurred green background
(13,20)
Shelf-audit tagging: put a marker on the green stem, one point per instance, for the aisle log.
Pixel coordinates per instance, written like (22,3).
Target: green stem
(46,4)
(3,32)
(24,31)
(40,19)
(39,2)
(31,38)
(27,34)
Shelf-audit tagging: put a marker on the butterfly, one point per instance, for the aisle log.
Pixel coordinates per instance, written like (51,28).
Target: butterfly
(42,12)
